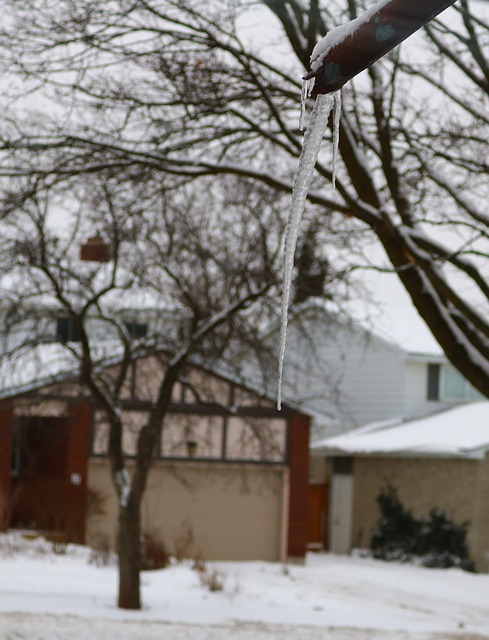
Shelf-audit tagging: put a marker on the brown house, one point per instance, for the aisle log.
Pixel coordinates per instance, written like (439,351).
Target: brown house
(229,479)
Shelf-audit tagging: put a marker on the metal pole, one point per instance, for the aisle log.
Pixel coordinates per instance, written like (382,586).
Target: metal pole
(374,37)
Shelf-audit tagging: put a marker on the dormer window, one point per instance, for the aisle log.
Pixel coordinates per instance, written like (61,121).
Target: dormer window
(137,330)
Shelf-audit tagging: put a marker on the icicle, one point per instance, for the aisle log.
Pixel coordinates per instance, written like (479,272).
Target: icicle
(302,182)
(304,95)
(336,132)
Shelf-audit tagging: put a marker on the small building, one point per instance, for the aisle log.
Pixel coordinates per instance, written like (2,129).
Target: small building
(440,461)
(229,479)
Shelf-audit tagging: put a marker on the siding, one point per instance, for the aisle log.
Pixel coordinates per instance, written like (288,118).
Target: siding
(416,382)
(345,371)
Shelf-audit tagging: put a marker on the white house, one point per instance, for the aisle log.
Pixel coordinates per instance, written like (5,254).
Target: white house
(341,369)
(347,376)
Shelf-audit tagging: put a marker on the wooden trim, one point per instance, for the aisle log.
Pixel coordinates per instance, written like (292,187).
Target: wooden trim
(6,439)
(299,480)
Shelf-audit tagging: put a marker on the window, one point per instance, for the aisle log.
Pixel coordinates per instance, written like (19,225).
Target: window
(446,384)
(16,445)
(343,465)
(136,330)
(455,387)
(67,330)
(433,391)
(263,439)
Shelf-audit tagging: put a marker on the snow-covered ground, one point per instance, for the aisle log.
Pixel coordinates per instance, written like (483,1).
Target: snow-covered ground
(44,596)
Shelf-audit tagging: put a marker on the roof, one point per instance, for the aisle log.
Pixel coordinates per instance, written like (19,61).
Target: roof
(35,367)
(404,332)
(460,432)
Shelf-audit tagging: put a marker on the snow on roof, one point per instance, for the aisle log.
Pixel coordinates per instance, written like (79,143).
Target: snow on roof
(390,314)
(36,366)
(462,431)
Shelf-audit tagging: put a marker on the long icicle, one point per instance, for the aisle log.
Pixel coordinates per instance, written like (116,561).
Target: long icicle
(336,133)
(307,161)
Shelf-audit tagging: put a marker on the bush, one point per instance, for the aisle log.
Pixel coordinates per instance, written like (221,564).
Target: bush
(434,542)
(101,554)
(210,578)
(154,553)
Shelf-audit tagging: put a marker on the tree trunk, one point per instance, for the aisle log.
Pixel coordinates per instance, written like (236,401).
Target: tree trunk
(129,555)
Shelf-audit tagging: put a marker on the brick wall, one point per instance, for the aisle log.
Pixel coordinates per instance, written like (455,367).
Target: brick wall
(479,531)
(456,486)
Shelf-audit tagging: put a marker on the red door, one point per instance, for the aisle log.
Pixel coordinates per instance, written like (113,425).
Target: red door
(49,491)
(318,498)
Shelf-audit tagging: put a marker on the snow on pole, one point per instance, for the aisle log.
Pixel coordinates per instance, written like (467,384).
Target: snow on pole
(305,170)
(349,49)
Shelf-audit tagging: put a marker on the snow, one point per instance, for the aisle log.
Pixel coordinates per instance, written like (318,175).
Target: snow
(123,483)
(43,596)
(459,432)
(34,366)
(302,182)
(341,33)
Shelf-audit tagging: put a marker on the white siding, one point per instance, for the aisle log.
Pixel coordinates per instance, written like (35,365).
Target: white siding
(416,384)
(344,370)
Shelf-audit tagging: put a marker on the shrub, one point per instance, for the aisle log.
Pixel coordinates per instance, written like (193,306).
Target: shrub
(101,554)
(210,578)
(434,542)
(154,553)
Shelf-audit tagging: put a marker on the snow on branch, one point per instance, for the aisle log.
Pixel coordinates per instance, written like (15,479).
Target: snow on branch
(123,484)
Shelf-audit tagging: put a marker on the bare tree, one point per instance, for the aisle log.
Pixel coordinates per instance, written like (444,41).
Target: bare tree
(178,88)
(212,277)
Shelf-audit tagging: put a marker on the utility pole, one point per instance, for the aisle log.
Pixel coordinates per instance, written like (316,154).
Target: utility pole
(351,48)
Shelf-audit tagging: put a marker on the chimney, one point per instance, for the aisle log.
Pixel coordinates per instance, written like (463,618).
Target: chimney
(95,249)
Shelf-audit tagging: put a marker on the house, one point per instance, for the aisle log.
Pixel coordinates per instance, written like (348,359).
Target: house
(342,370)
(336,371)
(345,376)
(229,479)
(440,461)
